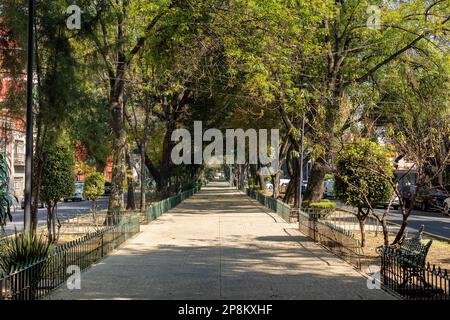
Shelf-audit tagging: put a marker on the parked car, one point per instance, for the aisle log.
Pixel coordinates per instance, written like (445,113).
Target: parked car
(283,184)
(22,203)
(446,210)
(395,204)
(431,198)
(78,194)
(107,191)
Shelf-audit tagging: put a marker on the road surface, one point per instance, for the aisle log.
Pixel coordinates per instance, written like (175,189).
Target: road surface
(65,209)
(434,222)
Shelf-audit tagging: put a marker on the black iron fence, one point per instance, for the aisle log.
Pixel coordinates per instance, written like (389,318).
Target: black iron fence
(339,241)
(37,278)
(412,280)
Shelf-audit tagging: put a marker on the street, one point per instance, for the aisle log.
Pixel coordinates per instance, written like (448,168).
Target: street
(65,209)
(433,221)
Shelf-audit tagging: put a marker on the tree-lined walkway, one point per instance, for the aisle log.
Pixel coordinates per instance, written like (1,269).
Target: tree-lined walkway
(220,244)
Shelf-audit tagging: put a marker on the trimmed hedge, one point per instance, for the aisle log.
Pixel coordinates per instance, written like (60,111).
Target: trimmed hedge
(323,204)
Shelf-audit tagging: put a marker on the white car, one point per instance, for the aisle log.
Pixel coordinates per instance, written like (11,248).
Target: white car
(78,194)
(446,210)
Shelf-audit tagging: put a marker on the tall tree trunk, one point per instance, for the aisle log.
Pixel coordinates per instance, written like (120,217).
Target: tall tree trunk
(116,204)
(142,185)
(405,215)
(315,188)
(363,232)
(49,222)
(131,204)
(385,231)
(276,185)
(54,222)
(316,182)
(163,185)
(362,217)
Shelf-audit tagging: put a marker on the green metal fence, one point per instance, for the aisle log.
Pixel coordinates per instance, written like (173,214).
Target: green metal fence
(281,208)
(155,210)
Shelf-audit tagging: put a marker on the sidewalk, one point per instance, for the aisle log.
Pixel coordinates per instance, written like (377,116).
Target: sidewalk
(220,244)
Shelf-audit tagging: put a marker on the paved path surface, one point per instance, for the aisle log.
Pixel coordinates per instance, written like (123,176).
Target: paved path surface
(220,244)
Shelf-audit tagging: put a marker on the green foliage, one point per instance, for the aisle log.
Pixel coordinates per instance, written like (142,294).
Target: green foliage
(89,126)
(21,250)
(94,186)
(359,179)
(323,204)
(58,179)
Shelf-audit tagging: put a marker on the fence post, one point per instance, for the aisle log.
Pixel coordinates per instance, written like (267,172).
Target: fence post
(102,244)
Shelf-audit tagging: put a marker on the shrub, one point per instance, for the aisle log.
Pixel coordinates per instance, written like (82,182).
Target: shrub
(94,187)
(58,182)
(357,181)
(22,249)
(323,208)
(325,203)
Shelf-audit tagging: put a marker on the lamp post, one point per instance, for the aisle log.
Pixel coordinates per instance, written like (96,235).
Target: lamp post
(300,197)
(29,128)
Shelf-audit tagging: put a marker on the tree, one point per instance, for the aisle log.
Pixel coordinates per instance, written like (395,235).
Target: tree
(94,187)
(115,48)
(59,88)
(356,181)
(312,57)
(353,54)
(57,182)
(415,111)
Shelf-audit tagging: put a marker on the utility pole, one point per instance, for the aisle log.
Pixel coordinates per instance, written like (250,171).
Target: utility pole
(29,129)
(300,197)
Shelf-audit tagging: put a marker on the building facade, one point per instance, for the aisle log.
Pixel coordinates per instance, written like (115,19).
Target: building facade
(12,123)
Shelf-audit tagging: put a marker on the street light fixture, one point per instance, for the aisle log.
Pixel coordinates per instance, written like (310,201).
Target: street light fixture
(29,126)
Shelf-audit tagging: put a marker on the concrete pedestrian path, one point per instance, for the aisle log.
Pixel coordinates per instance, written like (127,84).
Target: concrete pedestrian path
(220,244)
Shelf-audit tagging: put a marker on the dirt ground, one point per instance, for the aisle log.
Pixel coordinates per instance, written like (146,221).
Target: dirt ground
(438,255)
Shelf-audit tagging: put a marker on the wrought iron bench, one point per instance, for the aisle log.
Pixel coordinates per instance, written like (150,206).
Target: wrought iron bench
(410,254)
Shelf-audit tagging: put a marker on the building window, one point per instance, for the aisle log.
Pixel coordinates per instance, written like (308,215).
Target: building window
(19,152)
(18,186)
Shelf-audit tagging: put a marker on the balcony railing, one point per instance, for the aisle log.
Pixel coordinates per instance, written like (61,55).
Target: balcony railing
(19,159)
